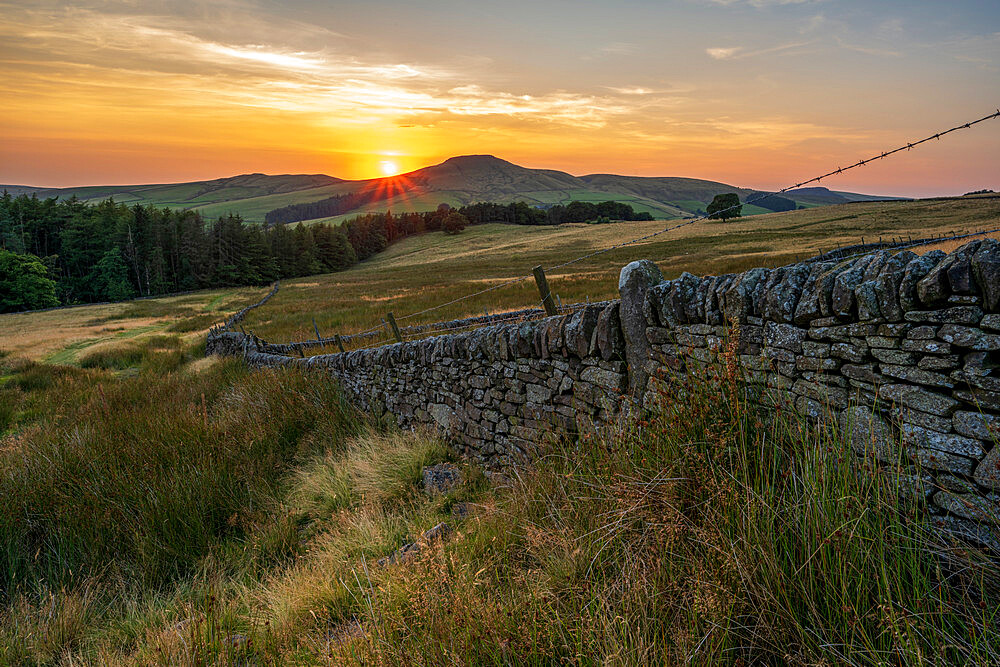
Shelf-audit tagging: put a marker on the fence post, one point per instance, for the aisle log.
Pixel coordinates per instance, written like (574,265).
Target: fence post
(316,329)
(543,290)
(395,329)
(340,343)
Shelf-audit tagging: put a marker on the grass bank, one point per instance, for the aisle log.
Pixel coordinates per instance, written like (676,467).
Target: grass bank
(156,508)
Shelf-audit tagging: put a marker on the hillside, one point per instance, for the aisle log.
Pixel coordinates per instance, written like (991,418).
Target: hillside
(456,181)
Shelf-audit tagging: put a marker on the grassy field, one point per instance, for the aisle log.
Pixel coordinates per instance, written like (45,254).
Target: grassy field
(157,508)
(162,508)
(423,272)
(59,336)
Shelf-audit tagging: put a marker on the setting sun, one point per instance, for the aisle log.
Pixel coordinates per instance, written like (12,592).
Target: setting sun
(388,168)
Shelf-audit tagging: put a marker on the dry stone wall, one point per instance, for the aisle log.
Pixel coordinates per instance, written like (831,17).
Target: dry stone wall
(901,351)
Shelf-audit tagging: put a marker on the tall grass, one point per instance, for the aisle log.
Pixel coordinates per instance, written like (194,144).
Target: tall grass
(228,517)
(143,477)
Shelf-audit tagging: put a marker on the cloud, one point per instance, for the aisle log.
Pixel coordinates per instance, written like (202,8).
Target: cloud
(723,53)
(88,50)
(738,53)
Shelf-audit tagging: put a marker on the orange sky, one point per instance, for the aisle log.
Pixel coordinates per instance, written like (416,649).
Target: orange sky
(756,93)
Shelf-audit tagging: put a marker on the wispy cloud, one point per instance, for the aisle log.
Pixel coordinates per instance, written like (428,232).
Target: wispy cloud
(738,52)
(760,4)
(118,48)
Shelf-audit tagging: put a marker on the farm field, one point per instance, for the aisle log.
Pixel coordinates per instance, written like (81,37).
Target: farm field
(429,270)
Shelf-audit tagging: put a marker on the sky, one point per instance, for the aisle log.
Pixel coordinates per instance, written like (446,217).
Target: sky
(755,93)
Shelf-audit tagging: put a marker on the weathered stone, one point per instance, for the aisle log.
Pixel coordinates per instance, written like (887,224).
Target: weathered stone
(920,437)
(887,342)
(926,346)
(579,330)
(784,336)
(985,267)
(867,298)
(633,283)
(982,426)
(953,315)
(781,298)
(441,478)
(913,274)
(991,322)
(969,337)
(918,399)
(933,459)
(984,400)
(812,349)
(868,433)
(946,363)
(842,297)
(915,375)
(816,364)
(898,357)
(848,352)
(976,508)
(608,337)
(603,378)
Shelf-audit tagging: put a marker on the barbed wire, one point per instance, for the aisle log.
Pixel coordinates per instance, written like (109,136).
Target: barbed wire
(700,218)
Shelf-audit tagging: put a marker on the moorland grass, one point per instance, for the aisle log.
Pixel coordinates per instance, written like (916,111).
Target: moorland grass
(223,516)
(433,269)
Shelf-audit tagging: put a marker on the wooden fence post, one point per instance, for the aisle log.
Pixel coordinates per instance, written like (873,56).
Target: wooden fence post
(543,290)
(395,329)
(340,343)
(316,329)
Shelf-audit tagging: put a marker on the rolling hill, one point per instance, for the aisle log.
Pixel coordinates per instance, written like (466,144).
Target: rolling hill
(456,181)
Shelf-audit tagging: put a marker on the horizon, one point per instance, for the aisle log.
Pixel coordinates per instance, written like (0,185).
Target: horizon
(754,93)
(401,174)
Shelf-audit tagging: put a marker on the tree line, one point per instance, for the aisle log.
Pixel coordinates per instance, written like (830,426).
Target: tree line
(60,252)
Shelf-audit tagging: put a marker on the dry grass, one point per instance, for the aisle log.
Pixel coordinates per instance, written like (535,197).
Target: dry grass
(227,517)
(429,270)
(60,335)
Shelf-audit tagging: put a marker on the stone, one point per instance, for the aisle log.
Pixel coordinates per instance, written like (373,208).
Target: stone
(954,315)
(917,376)
(933,459)
(926,346)
(867,432)
(848,352)
(982,426)
(983,400)
(898,357)
(888,282)
(867,298)
(782,298)
(914,272)
(441,478)
(976,508)
(918,399)
(608,339)
(985,266)
(606,379)
(842,299)
(969,337)
(784,336)
(444,415)
(988,471)
(946,363)
(813,293)
(923,438)
(990,322)
(634,282)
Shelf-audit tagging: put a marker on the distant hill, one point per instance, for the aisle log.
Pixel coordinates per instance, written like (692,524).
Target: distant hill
(456,181)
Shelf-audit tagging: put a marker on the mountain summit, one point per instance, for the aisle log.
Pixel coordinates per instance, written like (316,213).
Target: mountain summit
(458,180)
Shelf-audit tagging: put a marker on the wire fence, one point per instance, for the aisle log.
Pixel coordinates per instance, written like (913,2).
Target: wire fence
(442,326)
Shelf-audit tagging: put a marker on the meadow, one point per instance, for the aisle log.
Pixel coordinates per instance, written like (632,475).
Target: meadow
(162,508)
(427,271)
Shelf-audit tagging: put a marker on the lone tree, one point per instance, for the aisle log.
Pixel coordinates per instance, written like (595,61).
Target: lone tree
(725,206)
(454,223)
